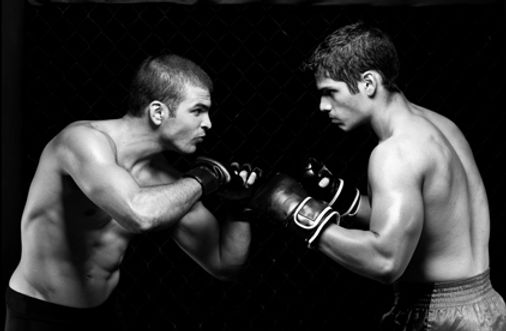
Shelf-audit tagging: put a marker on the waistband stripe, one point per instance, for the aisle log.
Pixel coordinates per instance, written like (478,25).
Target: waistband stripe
(444,294)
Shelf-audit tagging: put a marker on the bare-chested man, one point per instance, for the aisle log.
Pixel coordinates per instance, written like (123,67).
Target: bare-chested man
(425,222)
(98,183)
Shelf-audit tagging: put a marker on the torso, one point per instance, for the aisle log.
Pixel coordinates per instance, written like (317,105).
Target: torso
(454,240)
(71,249)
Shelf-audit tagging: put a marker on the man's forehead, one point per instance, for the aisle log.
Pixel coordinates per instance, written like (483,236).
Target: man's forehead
(197,94)
(325,81)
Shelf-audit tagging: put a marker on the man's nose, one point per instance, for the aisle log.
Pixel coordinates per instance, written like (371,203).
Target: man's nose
(206,122)
(325,105)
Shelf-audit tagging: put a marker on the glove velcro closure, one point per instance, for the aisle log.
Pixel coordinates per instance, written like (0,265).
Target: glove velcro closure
(346,200)
(311,217)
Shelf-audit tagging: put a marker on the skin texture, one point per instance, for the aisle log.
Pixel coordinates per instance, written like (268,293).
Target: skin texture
(426,214)
(98,183)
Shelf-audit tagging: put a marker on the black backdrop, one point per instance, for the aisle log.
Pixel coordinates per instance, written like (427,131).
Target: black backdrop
(76,65)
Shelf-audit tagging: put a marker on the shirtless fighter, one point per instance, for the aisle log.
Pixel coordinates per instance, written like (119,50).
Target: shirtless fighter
(99,183)
(425,221)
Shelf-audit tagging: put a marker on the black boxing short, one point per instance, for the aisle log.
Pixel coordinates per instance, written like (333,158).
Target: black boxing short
(463,305)
(27,313)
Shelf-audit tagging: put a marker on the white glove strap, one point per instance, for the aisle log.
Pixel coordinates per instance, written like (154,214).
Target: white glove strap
(338,192)
(355,205)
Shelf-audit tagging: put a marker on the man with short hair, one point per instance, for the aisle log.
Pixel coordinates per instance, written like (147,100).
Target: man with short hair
(424,224)
(99,183)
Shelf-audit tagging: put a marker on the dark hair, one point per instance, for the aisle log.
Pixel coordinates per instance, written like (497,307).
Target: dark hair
(353,49)
(164,78)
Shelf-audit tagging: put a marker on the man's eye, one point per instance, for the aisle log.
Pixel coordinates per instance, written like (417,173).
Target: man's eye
(328,93)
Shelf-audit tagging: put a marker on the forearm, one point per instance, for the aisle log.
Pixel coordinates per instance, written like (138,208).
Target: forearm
(235,239)
(163,205)
(359,251)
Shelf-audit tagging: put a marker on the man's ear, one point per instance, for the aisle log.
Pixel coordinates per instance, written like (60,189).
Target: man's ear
(370,81)
(157,111)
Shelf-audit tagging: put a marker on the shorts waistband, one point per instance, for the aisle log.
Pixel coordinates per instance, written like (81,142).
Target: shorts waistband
(445,293)
(24,305)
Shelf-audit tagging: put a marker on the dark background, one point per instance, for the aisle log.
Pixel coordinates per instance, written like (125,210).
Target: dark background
(73,61)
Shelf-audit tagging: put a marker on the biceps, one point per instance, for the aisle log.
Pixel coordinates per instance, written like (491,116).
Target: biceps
(197,233)
(109,186)
(397,219)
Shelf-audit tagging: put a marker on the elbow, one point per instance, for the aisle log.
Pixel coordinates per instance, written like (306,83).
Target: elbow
(225,273)
(142,225)
(136,225)
(138,221)
(225,276)
(388,272)
(145,216)
(226,269)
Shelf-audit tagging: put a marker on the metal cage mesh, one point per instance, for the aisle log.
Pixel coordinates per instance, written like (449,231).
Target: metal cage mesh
(78,61)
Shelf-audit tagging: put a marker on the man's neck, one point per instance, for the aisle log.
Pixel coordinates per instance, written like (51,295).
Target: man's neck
(386,113)
(135,142)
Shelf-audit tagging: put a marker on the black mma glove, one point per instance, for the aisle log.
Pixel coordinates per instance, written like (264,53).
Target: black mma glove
(210,174)
(285,201)
(323,185)
(235,184)
(244,180)
(237,194)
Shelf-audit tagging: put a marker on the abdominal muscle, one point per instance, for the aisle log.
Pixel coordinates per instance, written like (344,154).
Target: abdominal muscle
(70,266)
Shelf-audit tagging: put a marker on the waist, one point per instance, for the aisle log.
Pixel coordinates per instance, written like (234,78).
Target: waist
(445,293)
(64,285)
(24,305)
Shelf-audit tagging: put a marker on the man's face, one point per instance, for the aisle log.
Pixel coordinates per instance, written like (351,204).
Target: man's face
(344,108)
(188,125)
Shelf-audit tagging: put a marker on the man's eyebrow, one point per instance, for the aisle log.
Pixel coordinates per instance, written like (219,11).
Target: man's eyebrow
(201,105)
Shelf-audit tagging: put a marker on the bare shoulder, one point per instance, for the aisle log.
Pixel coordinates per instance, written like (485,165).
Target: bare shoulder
(404,149)
(448,128)
(81,129)
(443,123)
(82,139)
(399,160)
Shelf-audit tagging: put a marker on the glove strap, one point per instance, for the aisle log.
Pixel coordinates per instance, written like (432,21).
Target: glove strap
(353,210)
(347,195)
(316,226)
(338,191)
(322,225)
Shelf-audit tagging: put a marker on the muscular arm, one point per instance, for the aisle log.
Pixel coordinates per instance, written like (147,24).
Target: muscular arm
(396,218)
(363,216)
(220,248)
(88,156)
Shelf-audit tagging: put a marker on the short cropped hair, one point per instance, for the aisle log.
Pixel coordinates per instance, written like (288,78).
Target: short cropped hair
(352,50)
(164,78)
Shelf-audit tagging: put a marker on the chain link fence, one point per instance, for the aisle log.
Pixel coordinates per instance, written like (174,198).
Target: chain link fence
(78,62)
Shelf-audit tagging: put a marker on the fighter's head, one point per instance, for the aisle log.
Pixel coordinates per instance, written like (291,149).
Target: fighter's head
(350,51)
(165,78)
(175,95)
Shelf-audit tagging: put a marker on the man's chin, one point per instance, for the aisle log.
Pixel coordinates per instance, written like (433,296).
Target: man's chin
(342,127)
(190,149)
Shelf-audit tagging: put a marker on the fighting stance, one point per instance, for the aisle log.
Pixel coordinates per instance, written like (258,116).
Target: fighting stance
(99,183)
(424,226)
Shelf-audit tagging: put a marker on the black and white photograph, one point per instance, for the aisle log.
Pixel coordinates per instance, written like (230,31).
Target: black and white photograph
(246,165)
